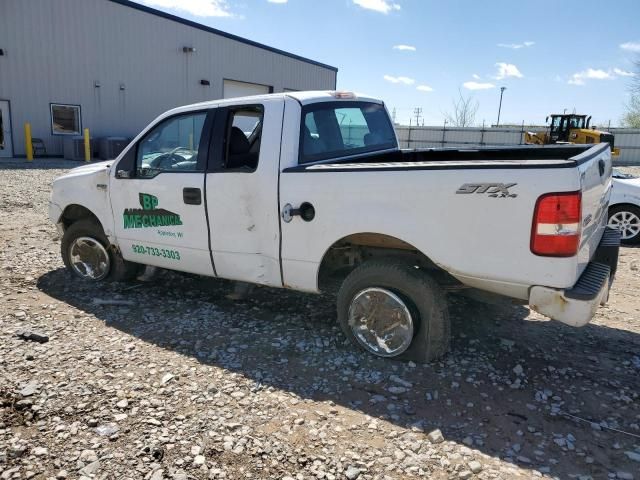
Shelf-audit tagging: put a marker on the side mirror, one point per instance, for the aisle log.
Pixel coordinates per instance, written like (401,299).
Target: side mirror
(123,174)
(546,120)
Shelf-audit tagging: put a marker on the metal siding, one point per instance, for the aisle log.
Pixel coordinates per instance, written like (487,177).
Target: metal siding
(57,49)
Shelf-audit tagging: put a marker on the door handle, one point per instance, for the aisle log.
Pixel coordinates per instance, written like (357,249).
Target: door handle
(192,196)
(601,167)
(306,211)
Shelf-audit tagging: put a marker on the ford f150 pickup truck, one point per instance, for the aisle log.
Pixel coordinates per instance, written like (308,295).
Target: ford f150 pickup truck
(296,190)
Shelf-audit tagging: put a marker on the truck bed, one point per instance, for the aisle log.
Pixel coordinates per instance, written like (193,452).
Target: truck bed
(525,156)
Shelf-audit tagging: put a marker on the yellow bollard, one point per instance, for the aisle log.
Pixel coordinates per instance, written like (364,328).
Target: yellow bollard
(87,146)
(28,146)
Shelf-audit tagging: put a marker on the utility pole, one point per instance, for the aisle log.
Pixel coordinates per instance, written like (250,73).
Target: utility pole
(418,113)
(502,89)
(393,115)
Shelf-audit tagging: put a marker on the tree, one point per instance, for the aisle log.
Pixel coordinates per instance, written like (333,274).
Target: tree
(464,111)
(631,117)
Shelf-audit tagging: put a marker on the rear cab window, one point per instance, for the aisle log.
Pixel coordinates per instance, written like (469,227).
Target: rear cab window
(340,129)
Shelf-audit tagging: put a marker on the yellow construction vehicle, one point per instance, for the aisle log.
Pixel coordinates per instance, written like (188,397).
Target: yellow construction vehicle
(570,128)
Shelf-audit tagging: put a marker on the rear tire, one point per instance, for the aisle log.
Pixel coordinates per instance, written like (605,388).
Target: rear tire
(87,254)
(626,218)
(384,295)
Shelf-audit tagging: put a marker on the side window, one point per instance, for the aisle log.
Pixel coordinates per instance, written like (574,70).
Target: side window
(171,146)
(244,133)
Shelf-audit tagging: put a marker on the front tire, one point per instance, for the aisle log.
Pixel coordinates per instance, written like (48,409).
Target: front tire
(626,218)
(394,310)
(87,254)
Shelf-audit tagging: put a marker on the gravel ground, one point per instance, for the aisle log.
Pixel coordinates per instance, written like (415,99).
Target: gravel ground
(179,382)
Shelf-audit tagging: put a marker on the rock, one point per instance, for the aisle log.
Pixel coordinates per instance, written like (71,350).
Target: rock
(435,436)
(107,430)
(396,390)
(40,451)
(29,389)
(624,475)
(88,456)
(62,474)
(91,469)
(635,456)
(122,403)
(518,370)
(199,460)
(166,378)
(475,466)
(400,381)
(463,475)
(157,475)
(352,473)
(32,336)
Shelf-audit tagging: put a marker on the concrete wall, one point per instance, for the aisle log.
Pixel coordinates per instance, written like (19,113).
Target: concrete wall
(55,51)
(627,139)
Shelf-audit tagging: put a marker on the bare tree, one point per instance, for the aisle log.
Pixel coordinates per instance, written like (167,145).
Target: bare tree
(631,117)
(464,111)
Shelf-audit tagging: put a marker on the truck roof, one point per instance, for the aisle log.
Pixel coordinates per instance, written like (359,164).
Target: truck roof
(304,98)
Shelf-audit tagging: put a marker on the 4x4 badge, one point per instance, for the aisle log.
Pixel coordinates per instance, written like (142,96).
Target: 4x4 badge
(494,190)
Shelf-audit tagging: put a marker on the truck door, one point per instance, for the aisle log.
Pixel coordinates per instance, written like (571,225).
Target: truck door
(157,195)
(242,192)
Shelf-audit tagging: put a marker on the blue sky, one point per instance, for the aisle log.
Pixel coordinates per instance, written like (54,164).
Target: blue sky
(550,55)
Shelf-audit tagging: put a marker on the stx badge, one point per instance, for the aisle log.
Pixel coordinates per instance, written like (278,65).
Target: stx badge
(149,215)
(494,190)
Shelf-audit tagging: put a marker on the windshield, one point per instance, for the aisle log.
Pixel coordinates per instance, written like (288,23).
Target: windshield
(338,129)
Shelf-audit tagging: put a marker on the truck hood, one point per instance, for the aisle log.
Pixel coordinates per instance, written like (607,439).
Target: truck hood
(85,170)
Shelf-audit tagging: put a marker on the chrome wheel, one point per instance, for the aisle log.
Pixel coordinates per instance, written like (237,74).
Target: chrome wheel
(627,222)
(89,259)
(381,322)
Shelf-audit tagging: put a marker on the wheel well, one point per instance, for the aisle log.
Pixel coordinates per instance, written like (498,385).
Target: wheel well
(349,252)
(73,213)
(616,205)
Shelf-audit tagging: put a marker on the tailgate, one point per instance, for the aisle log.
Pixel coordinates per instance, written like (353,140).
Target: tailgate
(594,166)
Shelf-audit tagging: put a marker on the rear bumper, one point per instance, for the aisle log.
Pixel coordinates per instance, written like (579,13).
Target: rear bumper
(578,305)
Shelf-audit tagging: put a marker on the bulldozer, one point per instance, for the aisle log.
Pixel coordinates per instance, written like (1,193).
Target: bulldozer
(570,128)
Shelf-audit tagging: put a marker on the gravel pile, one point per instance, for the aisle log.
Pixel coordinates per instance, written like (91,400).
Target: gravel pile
(169,379)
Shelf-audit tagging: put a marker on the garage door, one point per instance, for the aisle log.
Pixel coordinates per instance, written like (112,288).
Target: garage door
(233,89)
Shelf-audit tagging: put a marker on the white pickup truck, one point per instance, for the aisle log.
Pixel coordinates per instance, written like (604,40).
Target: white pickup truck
(298,190)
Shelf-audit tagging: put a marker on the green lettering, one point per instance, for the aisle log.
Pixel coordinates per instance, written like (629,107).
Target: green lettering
(129,221)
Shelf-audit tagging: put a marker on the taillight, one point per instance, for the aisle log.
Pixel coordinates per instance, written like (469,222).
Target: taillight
(556,225)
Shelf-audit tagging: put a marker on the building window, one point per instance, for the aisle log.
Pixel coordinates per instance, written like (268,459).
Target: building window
(65,119)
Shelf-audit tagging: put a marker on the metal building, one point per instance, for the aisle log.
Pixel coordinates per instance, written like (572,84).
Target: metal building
(114,65)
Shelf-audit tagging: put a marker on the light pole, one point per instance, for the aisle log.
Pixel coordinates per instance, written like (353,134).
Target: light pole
(502,89)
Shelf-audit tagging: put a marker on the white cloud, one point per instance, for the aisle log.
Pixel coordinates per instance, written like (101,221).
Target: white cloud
(623,73)
(631,46)
(409,48)
(516,46)
(198,8)
(476,76)
(579,78)
(590,73)
(403,80)
(507,70)
(277,1)
(478,85)
(424,88)
(382,6)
